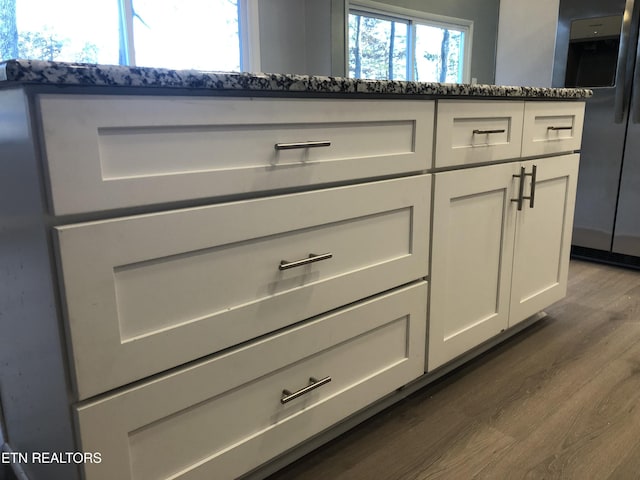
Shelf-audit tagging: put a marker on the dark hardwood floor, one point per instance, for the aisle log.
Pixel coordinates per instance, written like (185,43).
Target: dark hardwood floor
(559,400)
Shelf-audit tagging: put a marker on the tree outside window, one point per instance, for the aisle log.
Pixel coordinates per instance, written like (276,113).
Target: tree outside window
(35,29)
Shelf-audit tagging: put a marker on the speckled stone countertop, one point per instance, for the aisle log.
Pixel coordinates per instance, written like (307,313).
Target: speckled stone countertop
(36,72)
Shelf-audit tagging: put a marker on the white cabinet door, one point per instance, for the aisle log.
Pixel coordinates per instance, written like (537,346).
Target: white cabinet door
(543,237)
(473,229)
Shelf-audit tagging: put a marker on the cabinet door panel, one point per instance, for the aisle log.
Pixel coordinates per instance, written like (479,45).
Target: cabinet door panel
(473,227)
(543,237)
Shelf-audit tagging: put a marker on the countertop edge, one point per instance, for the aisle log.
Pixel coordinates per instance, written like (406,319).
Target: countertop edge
(37,72)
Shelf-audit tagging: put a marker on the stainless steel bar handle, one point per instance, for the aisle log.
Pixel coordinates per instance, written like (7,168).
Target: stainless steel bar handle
(635,96)
(520,198)
(559,128)
(287,396)
(312,144)
(486,132)
(532,197)
(621,70)
(285,265)
(635,106)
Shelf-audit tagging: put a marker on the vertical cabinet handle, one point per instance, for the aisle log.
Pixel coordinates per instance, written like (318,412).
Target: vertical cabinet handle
(532,197)
(520,198)
(287,396)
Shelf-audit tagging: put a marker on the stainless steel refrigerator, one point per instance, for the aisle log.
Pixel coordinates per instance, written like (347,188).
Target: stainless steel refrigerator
(597,47)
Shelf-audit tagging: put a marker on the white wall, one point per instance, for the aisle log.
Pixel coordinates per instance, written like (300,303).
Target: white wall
(318,37)
(526,42)
(282,36)
(295,36)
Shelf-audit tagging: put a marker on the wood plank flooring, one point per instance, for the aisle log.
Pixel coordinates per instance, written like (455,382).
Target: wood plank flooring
(559,400)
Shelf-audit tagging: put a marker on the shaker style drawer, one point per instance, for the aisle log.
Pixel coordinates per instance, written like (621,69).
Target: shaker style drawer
(224,416)
(150,292)
(470,132)
(552,127)
(107,152)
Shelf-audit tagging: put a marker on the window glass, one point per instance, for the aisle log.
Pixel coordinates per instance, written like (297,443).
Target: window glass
(198,34)
(400,47)
(377,47)
(60,30)
(179,34)
(439,54)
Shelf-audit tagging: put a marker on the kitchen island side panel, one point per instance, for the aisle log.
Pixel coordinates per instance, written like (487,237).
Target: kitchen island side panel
(34,386)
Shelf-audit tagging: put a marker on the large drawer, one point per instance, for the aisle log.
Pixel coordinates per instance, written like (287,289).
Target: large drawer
(223,416)
(150,292)
(552,127)
(471,132)
(106,152)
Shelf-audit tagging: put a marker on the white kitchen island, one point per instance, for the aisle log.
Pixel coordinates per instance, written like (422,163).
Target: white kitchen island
(206,275)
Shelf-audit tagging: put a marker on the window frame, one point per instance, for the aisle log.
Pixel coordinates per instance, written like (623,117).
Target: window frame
(413,17)
(249,33)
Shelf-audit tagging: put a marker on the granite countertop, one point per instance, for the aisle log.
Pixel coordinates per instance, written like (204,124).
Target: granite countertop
(37,72)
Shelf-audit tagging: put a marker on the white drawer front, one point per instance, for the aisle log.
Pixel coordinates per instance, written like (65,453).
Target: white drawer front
(469,132)
(106,152)
(223,417)
(150,292)
(552,127)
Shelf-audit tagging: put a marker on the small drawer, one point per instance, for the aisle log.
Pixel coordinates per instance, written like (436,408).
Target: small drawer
(107,152)
(151,292)
(470,132)
(224,416)
(552,127)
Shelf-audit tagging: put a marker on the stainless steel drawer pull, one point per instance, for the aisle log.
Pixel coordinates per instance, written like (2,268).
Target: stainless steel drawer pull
(485,132)
(559,128)
(285,265)
(291,146)
(287,396)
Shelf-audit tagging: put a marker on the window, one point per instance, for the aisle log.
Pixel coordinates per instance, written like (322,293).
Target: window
(200,34)
(399,44)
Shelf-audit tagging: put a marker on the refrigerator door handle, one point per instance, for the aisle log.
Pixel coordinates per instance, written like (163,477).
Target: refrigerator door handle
(635,100)
(621,70)
(635,105)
